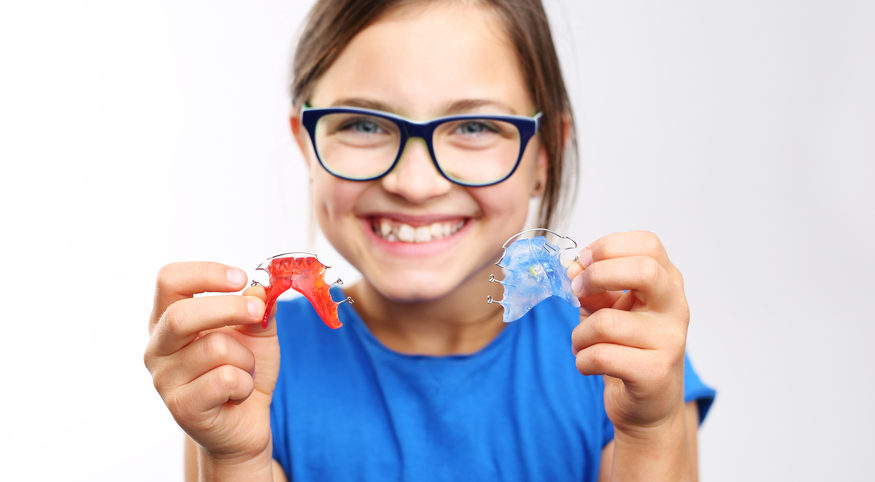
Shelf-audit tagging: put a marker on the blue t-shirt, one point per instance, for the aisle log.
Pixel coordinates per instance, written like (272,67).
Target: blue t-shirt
(347,408)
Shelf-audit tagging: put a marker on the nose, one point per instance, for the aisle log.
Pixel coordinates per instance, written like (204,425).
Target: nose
(415,177)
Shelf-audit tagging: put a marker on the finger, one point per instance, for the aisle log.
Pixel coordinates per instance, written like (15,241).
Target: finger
(617,327)
(646,278)
(186,318)
(194,401)
(206,353)
(589,304)
(619,245)
(625,362)
(257,291)
(592,303)
(182,280)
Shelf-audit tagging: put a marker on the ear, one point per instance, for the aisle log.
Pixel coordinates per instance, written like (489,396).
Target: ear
(566,130)
(539,180)
(300,134)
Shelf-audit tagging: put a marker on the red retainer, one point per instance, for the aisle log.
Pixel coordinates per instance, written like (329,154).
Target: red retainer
(304,275)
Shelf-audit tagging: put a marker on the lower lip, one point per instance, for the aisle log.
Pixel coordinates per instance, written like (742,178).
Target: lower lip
(397,248)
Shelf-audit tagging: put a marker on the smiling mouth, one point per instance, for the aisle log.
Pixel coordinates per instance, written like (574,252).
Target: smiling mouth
(396,231)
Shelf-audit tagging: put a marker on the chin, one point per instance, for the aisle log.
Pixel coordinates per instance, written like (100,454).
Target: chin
(414,287)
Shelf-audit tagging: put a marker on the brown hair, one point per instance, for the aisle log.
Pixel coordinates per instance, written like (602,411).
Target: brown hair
(332,24)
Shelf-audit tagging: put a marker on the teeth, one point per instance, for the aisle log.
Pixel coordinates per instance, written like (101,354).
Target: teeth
(422,234)
(405,233)
(394,231)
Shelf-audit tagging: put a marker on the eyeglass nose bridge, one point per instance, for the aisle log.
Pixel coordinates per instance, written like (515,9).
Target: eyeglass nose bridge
(417,130)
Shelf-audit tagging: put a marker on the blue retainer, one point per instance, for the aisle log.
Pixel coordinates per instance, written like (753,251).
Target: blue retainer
(533,272)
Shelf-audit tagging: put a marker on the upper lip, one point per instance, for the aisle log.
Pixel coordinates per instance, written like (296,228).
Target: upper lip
(417,219)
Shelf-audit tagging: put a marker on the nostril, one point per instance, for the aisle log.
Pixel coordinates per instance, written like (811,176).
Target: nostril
(415,175)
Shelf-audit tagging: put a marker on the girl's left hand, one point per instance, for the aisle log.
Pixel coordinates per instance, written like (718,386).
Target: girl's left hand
(633,329)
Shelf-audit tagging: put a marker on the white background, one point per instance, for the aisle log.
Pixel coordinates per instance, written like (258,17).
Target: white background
(133,134)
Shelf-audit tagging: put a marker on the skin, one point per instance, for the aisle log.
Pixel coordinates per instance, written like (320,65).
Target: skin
(204,353)
(426,300)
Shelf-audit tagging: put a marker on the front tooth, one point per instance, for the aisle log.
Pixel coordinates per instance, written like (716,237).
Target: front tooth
(436,230)
(422,234)
(385,227)
(405,233)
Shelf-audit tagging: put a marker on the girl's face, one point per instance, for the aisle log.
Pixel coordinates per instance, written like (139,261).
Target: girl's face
(424,62)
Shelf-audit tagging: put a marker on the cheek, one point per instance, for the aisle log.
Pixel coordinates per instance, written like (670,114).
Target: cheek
(507,202)
(332,198)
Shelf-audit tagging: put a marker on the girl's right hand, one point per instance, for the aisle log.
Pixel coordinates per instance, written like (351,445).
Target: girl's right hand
(213,364)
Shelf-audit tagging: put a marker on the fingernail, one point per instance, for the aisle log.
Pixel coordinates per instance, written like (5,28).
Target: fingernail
(577,286)
(236,276)
(255,308)
(584,259)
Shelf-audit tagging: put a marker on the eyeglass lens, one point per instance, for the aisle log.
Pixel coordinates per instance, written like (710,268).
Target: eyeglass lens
(472,151)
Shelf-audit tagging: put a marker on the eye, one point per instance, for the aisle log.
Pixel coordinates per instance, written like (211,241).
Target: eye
(362,126)
(475,127)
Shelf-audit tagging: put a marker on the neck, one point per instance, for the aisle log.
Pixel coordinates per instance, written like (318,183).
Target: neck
(458,323)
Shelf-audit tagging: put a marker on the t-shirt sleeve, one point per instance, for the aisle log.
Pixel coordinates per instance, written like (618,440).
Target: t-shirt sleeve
(695,389)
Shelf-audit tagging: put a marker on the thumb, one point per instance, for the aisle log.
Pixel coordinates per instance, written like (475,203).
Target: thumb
(255,329)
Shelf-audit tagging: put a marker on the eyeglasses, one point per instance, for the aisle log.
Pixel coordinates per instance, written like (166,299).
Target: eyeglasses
(471,150)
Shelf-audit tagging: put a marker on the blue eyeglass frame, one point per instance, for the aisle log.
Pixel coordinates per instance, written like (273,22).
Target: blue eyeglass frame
(527,127)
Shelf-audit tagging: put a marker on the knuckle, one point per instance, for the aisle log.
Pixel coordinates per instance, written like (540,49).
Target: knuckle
(583,364)
(173,318)
(161,375)
(650,242)
(599,357)
(677,278)
(218,345)
(148,358)
(577,338)
(649,270)
(227,377)
(176,405)
(158,381)
(166,276)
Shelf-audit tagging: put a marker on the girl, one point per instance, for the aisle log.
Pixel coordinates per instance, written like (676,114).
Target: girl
(425,382)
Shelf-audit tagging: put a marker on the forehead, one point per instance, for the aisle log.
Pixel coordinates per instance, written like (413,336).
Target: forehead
(420,59)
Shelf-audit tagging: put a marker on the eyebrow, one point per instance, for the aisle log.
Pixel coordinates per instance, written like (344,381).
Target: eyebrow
(468,105)
(454,107)
(362,103)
